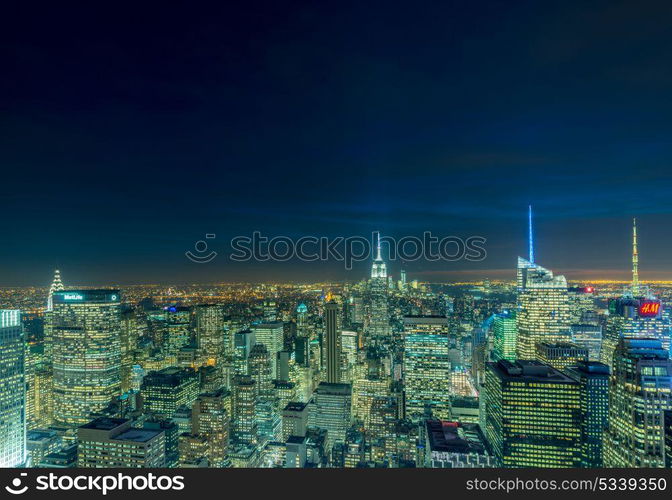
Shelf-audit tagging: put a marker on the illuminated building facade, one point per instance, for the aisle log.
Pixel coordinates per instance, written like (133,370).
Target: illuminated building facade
(294,419)
(588,337)
(561,355)
(543,308)
(331,409)
(364,392)
(593,378)
(166,390)
(193,450)
(377,318)
(12,390)
(210,333)
(639,394)
(244,428)
(505,333)
(333,341)
(85,327)
(112,442)
(632,317)
(266,408)
(272,336)
(426,367)
(212,419)
(533,415)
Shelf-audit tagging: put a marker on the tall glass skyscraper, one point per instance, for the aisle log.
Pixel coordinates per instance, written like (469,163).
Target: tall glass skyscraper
(333,341)
(593,378)
(210,335)
(543,308)
(631,317)
(533,415)
(85,328)
(639,394)
(377,320)
(427,367)
(505,333)
(12,390)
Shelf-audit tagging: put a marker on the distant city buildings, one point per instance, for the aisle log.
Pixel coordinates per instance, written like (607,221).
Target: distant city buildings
(372,374)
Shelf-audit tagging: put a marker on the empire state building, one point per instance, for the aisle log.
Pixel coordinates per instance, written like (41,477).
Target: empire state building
(378,318)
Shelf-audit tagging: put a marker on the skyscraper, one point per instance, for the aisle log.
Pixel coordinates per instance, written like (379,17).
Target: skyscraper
(56,286)
(244,428)
(333,339)
(561,355)
(272,336)
(166,390)
(639,393)
(212,419)
(633,317)
(635,260)
(85,328)
(505,332)
(637,314)
(266,408)
(378,321)
(543,308)
(426,367)
(533,415)
(543,304)
(210,334)
(593,379)
(12,390)
(112,442)
(331,409)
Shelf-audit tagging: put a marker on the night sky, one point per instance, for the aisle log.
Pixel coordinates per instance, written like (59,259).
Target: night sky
(128,132)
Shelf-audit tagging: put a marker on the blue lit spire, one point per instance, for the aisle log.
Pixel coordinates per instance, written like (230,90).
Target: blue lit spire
(530,237)
(379,269)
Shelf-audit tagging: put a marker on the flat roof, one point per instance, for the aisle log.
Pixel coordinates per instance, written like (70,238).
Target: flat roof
(295,406)
(104,424)
(138,435)
(444,436)
(529,371)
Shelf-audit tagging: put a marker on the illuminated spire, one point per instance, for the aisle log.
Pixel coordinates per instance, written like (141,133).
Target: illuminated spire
(635,260)
(530,239)
(56,286)
(379,269)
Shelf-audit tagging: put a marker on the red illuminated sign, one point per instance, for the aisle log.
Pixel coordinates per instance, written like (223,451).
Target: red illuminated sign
(649,308)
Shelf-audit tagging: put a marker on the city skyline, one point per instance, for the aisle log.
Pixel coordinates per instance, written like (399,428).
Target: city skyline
(400,265)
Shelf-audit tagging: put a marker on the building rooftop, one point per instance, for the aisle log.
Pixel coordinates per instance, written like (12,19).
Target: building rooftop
(528,371)
(104,424)
(138,435)
(295,406)
(330,388)
(450,437)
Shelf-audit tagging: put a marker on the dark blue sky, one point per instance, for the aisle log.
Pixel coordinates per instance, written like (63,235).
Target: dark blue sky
(127,133)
